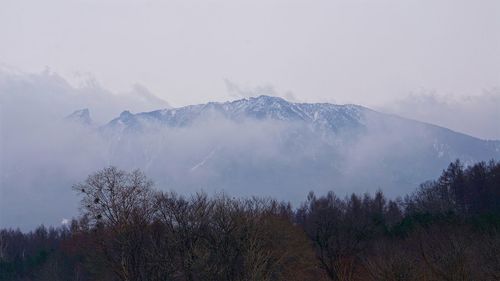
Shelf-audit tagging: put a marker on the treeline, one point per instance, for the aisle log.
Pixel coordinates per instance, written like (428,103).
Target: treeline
(448,229)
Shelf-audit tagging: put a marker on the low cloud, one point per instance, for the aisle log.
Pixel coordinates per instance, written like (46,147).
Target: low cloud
(48,95)
(475,115)
(42,155)
(237,91)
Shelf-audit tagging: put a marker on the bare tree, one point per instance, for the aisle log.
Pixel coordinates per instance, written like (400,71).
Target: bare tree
(119,206)
(446,252)
(185,224)
(3,245)
(393,260)
(487,253)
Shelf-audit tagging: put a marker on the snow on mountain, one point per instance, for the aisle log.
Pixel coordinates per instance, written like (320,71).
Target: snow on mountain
(327,116)
(263,146)
(268,146)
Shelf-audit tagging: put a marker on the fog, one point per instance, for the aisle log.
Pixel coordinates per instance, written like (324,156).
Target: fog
(477,115)
(43,154)
(33,97)
(358,51)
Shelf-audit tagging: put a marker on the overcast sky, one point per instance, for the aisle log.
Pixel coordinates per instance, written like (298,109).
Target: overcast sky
(436,61)
(366,52)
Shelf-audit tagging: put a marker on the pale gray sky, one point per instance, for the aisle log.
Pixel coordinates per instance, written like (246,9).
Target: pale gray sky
(431,60)
(367,52)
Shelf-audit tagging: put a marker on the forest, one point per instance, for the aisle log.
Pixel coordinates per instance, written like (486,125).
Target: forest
(447,229)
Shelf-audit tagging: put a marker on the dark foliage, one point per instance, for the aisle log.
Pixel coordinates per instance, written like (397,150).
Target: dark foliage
(448,229)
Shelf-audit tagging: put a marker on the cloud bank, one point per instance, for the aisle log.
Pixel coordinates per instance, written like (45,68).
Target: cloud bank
(476,115)
(48,95)
(42,154)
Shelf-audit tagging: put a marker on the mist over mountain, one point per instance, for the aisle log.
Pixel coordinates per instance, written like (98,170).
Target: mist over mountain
(49,96)
(476,115)
(268,146)
(263,146)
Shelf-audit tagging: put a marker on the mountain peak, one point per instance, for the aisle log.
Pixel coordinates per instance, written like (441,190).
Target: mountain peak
(125,114)
(261,107)
(80,116)
(268,98)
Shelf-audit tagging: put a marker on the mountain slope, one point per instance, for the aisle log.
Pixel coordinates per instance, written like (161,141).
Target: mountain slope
(269,146)
(81,116)
(262,146)
(260,108)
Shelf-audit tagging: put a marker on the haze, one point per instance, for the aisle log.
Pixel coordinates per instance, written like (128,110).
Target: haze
(434,61)
(363,52)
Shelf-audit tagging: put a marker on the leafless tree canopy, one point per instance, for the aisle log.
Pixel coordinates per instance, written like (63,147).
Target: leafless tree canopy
(448,229)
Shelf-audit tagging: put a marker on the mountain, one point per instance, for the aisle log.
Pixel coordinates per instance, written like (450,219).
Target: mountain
(264,146)
(81,116)
(268,146)
(327,116)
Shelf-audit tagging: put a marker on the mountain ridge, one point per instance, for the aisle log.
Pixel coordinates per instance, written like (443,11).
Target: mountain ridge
(267,143)
(260,99)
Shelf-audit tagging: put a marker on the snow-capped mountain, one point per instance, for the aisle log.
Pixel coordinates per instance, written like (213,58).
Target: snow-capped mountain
(264,146)
(327,116)
(268,146)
